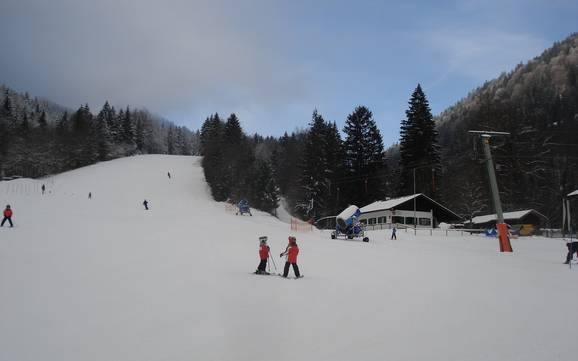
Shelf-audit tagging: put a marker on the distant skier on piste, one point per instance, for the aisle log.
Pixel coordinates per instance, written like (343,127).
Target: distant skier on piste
(169,175)
(7,216)
(263,255)
(572,248)
(291,252)
(146,204)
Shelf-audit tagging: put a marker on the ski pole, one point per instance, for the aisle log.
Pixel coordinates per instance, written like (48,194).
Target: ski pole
(272,260)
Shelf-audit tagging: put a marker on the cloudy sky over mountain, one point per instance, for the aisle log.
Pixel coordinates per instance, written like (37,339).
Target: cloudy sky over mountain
(271,62)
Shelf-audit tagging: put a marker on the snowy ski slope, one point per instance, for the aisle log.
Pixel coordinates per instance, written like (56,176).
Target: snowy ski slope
(104,280)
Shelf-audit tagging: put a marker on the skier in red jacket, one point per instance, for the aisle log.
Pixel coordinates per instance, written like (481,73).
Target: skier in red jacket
(291,252)
(7,216)
(263,255)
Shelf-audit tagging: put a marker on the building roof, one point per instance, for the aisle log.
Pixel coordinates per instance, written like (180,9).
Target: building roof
(388,204)
(442,211)
(507,215)
(575,193)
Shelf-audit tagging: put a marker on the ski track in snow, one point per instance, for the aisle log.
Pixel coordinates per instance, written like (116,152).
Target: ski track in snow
(103,279)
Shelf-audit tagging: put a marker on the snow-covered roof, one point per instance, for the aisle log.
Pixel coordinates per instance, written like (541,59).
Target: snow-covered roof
(388,204)
(507,215)
(575,193)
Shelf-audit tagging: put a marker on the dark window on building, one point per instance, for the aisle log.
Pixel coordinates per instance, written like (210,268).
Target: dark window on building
(397,219)
(424,222)
(381,220)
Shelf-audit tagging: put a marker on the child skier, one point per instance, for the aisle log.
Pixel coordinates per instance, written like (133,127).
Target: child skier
(263,255)
(291,252)
(7,216)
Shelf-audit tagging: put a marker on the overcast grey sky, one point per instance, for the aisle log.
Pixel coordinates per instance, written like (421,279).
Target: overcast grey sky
(271,62)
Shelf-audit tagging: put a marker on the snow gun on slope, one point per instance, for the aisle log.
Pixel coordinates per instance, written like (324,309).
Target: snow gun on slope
(243,207)
(348,225)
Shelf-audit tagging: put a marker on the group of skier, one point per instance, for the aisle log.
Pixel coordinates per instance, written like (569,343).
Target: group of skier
(291,252)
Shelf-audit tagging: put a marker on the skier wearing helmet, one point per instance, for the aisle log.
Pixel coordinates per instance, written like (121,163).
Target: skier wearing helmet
(263,255)
(291,252)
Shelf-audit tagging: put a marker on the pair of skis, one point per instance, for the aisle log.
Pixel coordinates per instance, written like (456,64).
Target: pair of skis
(275,274)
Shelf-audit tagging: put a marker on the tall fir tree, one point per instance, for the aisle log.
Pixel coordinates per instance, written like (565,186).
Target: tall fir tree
(128,128)
(334,168)
(364,159)
(212,151)
(233,170)
(103,136)
(419,150)
(314,173)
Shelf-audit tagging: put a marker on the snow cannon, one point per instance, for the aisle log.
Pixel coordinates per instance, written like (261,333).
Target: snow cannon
(243,207)
(348,217)
(348,225)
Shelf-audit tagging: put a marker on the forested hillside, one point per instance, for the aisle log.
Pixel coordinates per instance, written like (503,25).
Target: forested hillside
(316,171)
(538,163)
(319,173)
(38,137)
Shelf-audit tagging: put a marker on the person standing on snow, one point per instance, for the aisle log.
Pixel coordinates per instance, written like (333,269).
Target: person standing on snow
(263,255)
(146,204)
(291,252)
(572,248)
(7,216)
(169,175)
(393,231)
(43,188)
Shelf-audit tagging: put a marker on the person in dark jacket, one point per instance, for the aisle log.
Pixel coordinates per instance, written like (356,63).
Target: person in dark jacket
(572,248)
(146,204)
(263,256)
(291,252)
(7,216)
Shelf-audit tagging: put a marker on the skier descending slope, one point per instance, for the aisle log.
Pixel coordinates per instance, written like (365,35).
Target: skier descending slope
(291,252)
(263,255)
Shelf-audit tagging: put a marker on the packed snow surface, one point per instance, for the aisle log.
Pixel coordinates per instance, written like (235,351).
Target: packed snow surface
(103,279)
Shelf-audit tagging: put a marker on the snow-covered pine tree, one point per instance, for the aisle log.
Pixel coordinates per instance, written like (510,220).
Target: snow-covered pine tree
(103,136)
(128,129)
(139,135)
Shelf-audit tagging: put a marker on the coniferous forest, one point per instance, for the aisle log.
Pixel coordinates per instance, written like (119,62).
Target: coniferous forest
(38,138)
